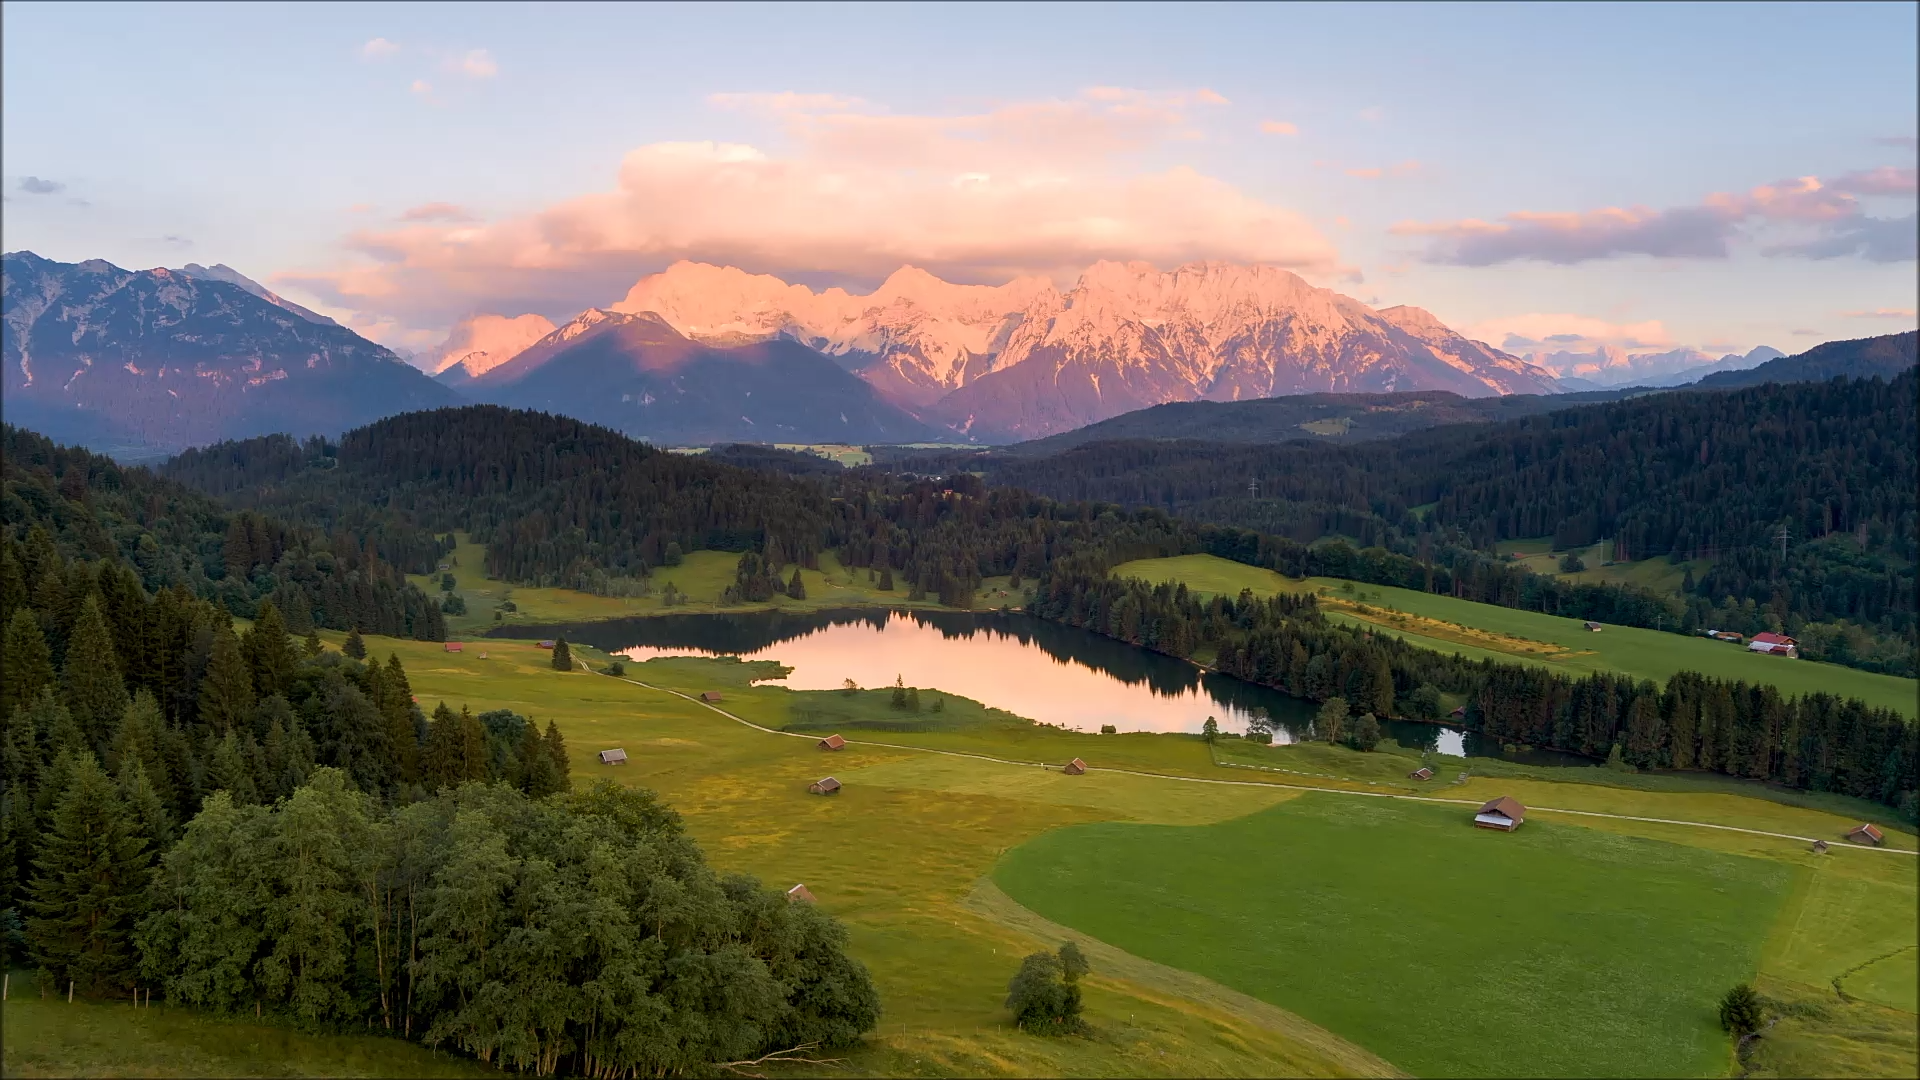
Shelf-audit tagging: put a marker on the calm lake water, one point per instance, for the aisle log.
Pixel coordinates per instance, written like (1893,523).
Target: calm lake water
(1031,667)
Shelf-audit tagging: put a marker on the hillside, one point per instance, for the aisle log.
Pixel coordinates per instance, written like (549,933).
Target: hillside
(156,360)
(1885,357)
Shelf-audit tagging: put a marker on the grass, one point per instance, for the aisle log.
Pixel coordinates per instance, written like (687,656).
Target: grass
(900,854)
(1560,643)
(1821,1035)
(1656,575)
(52,1038)
(1593,955)
(702,576)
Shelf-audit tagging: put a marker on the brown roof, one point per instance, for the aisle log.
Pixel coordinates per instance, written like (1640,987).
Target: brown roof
(1421,773)
(1075,767)
(800,892)
(832,742)
(615,756)
(1506,806)
(709,695)
(1867,831)
(825,786)
(453,646)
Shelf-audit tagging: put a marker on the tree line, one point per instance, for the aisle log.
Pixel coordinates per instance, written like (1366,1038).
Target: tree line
(1814,742)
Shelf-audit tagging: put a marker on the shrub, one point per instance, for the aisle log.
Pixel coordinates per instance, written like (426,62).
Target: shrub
(1740,1011)
(1044,995)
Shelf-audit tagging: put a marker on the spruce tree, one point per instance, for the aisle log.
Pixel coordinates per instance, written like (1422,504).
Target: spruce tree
(886,579)
(146,806)
(440,763)
(226,692)
(313,645)
(796,589)
(138,742)
(269,651)
(228,770)
(474,752)
(395,702)
(26,664)
(562,656)
(557,751)
(899,699)
(90,885)
(353,646)
(95,693)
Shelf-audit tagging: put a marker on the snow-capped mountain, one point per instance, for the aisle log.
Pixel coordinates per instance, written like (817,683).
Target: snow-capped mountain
(1609,366)
(157,360)
(1023,360)
(480,343)
(223,272)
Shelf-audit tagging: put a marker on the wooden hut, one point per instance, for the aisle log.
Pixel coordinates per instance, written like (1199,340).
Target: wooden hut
(1421,773)
(799,892)
(1865,834)
(709,696)
(833,742)
(826,786)
(615,756)
(1076,767)
(1819,847)
(453,646)
(1594,626)
(1459,712)
(1504,813)
(547,644)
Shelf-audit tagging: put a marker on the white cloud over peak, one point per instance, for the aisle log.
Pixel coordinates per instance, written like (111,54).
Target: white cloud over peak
(1043,187)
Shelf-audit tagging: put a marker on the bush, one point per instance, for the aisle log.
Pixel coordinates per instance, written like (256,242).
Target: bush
(1740,1011)
(1044,995)
(1571,563)
(617,669)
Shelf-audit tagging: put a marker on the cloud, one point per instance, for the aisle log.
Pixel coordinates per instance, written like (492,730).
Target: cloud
(1556,332)
(33,185)
(1885,180)
(1905,142)
(1041,187)
(1827,219)
(1373,114)
(176,241)
(1906,313)
(475,64)
(1804,333)
(1279,127)
(437,211)
(1404,168)
(378,49)
(421,86)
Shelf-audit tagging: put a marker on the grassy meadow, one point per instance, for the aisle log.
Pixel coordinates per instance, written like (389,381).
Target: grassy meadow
(909,853)
(1486,630)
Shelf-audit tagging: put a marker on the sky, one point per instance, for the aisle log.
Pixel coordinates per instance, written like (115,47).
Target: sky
(1717,176)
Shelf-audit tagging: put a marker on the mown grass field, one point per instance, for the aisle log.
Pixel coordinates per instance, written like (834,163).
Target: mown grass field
(702,577)
(1554,951)
(1657,575)
(1648,654)
(900,856)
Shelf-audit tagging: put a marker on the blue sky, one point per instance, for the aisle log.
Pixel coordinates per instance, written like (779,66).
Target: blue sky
(1633,175)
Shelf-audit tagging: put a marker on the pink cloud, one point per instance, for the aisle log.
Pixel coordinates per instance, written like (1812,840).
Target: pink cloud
(1279,127)
(1366,174)
(436,211)
(1041,187)
(1885,180)
(1553,332)
(1881,313)
(378,49)
(1826,219)
(1404,168)
(474,64)
(421,86)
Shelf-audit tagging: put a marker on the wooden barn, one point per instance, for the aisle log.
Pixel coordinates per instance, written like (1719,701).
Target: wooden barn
(1459,712)
(1421,773)
(1504,813)
(1076,767)
(833,742)
(1865,834)
(799,892)
(1819,847)
(826,786)
(710,696)
(615,756)
(1594,626)
(547,644)
(453,646)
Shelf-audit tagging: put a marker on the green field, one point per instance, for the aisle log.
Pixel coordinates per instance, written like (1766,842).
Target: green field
(901,854)
(1649,654)
(1451,951)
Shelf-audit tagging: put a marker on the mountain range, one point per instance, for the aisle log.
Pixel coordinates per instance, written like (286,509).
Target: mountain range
(1610,366)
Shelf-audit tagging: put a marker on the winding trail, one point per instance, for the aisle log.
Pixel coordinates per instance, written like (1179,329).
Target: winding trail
(1249,783)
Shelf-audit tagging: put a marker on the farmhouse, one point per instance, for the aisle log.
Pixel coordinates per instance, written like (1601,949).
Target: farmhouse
(1593,626)
(833,742)
(1504,813)
(1075,767)
(709,696)
(1865,834)
(826,786)
(1775,645)
(615,756)
(1421,773)
(453,646)
(799,892)
(1727,635)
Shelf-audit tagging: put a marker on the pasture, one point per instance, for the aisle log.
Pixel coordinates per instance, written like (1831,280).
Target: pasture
(901,854)
(1486,630)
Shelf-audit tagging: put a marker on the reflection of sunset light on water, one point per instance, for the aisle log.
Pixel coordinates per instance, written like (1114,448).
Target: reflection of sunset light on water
(988,666)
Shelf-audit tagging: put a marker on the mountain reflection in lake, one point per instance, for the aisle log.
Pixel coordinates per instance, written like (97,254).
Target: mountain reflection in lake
(1045,671)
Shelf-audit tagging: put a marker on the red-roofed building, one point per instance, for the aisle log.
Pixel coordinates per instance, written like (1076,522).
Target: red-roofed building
(1774,645)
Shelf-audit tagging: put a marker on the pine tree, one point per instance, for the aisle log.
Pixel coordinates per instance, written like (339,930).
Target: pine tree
(269,651)
(395,702)
(313,645)
(26,664)
(226,693)
(886,579)
(90,884)
(440,763)
(796,589)
(538,777)
(562,656)
(228,770)
(474,752)
(137,743)
(153,822)
(95,693)
(899,700)
(557,750)
(353,646)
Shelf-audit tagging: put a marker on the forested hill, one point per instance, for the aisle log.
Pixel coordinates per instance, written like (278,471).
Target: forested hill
(1886,356)
(1686,475)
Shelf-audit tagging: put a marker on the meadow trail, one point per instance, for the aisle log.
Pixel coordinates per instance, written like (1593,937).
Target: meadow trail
(1243,783)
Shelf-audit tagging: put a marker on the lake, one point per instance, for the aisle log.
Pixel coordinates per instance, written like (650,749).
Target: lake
(1045,671)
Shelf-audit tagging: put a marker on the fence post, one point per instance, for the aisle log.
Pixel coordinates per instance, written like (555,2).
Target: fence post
(69,991)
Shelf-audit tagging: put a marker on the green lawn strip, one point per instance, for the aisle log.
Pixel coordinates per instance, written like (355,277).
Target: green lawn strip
(1819,1034)
(1650,654)
(1552,951)
(49,1037)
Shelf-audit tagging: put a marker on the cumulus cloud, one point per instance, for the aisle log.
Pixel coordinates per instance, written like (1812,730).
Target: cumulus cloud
(1279,127)
(1028,187)
(33,185)
(1553,332)
(436,211)
(1825,220)
(377,49)
(475,64)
